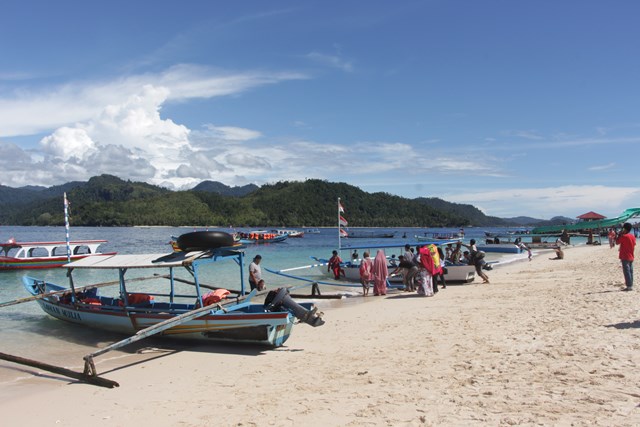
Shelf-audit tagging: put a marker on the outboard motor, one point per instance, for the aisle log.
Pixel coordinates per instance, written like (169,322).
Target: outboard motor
(280,298)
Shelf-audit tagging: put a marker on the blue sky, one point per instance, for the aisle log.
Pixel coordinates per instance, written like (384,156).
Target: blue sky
(517,107)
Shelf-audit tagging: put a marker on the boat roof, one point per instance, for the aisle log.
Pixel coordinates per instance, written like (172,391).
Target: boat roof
(174,259)
(14,244)
(438,242)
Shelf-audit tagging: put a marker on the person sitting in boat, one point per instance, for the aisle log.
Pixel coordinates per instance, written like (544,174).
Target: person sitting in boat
(456,254)
(255,274)
(335,265)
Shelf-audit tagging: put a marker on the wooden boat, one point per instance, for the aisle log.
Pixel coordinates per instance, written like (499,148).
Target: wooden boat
(38,255)
(261,236)
(365,234)
(173,309)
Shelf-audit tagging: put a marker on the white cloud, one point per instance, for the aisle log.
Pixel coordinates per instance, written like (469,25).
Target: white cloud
(27,111)
(602,167)
(232,134)
(334,61)
(548,202)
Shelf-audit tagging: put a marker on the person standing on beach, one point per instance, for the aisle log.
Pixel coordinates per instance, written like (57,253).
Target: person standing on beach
(334,265)
(612,237)
(424,277)
(627,242)
(366,267)
(380,273)
(255,274)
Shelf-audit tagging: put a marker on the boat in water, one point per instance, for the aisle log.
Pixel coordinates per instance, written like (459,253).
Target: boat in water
(259,236)
(368,234)
(289,232)
(38,255)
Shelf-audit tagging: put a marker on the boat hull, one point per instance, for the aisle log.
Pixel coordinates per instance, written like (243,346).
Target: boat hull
(455,273)
(35,263)
(508,248)
(250,324)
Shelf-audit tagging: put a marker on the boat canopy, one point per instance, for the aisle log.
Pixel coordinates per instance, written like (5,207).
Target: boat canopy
(175,259)
(590,225)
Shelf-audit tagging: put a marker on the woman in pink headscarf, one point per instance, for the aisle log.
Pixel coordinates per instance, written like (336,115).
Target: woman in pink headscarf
(380,273)
(424,278)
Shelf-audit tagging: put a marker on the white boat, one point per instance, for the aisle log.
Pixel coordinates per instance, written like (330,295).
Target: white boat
(455,273)
(37,255)
(289,233)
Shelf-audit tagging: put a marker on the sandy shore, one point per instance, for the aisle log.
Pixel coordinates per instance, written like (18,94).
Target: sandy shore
(546,343)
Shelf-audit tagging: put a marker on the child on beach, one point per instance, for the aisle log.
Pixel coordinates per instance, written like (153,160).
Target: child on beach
(365,273)
(524,247)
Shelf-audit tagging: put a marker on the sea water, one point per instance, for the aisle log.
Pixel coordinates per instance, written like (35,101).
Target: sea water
(26,331)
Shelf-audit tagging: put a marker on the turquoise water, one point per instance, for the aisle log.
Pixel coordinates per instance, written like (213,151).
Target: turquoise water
(28,332)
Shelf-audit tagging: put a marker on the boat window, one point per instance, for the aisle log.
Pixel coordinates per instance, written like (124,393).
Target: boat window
(81,250)
(59,251)
(37,252)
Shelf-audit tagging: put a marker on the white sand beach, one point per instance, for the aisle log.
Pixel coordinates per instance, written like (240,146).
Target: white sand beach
(548,342)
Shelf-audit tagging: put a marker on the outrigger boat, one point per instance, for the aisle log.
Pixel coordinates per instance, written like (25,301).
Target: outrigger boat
(37,255)
(180,310)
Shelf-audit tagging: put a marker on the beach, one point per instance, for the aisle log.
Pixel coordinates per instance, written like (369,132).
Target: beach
(548,342)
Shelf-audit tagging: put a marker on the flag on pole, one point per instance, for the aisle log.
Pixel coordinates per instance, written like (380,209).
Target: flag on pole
(343,221)
(340,208)
(66,226)
(343,233)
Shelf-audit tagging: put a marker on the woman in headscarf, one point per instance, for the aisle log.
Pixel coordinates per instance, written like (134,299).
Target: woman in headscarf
(424,278)
(380,273)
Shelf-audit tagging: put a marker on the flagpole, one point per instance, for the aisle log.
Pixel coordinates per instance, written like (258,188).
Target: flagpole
(66,226)
(339,226)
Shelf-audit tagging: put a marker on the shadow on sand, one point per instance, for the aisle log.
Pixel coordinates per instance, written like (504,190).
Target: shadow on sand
(626,325)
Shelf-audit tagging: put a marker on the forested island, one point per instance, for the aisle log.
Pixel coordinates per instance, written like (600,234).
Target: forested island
(107,200)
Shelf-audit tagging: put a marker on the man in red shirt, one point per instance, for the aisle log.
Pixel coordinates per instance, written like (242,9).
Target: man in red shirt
(627,242)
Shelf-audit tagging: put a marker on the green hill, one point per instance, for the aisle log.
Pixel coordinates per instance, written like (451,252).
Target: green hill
(110,201)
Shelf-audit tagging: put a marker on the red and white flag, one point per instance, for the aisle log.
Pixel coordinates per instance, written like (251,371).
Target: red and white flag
(340,208)
(343,233)
(343,221)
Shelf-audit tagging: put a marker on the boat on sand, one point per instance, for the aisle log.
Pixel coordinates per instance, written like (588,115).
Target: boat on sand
(171,305)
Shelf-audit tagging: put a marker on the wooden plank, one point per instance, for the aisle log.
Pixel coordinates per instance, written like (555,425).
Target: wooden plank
(91,379)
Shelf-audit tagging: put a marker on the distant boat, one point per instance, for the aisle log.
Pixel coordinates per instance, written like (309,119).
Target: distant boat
(38,255)
(290,233)
(370,234)
(259,236)
(312,231)
(439,236)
